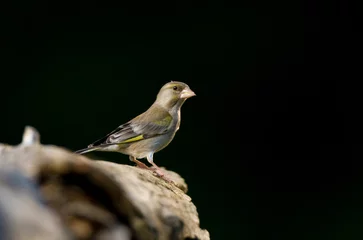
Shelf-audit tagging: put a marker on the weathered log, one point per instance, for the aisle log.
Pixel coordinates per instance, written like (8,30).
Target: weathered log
(62,195)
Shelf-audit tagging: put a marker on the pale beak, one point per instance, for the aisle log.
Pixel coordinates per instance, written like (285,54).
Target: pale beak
(187,93)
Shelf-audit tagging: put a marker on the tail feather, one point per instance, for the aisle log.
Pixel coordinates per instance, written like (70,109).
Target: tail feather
(86,150)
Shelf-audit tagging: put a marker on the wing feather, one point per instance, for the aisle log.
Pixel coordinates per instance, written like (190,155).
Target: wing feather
(147,125)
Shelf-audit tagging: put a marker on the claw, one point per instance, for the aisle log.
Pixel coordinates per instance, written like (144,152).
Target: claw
(158,171)
(161,174)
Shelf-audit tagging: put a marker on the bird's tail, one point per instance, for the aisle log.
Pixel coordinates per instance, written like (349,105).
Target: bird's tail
(86,150)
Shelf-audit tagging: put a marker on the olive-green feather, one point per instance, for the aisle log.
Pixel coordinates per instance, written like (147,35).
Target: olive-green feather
(155,121)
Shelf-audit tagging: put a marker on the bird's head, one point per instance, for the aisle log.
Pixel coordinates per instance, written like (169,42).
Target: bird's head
(174,94)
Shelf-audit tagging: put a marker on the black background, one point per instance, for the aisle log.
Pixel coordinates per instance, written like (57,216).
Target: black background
(271,145)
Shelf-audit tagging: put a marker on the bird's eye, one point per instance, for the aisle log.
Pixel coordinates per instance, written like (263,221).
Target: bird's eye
(175,88)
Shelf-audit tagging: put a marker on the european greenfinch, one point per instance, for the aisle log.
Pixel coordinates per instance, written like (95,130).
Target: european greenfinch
(150,131)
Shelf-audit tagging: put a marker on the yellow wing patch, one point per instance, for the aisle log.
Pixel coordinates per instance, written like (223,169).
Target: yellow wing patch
(134,139)
(165,121)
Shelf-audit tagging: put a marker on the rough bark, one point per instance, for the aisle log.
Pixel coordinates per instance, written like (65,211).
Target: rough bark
(48,192)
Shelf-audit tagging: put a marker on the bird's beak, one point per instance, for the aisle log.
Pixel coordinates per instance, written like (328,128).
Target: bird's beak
(187,93)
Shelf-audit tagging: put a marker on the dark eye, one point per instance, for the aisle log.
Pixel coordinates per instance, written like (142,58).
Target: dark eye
(175,88)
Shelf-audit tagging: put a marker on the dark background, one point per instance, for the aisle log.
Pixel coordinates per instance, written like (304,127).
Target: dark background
(271,145)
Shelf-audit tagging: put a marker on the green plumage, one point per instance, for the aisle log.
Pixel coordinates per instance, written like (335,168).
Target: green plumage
(150,131)
(155,121)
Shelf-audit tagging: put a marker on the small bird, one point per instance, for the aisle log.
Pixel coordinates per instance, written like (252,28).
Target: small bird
(150,131)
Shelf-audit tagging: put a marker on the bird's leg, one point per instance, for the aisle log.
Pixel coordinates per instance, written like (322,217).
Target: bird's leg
(157,169)
(138,163)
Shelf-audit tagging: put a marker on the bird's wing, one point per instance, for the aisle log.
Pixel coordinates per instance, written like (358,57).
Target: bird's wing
(146,125)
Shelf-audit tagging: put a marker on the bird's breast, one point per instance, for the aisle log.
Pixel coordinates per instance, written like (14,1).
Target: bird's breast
(175,125)
(178,123)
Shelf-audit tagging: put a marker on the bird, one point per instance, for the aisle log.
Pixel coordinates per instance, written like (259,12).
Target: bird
(149,132)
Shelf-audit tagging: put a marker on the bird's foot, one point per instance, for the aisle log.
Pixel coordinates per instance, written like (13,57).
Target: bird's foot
(157,171)
(161,174)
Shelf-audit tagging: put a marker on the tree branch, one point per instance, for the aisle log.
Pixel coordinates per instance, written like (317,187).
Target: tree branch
(68,196)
